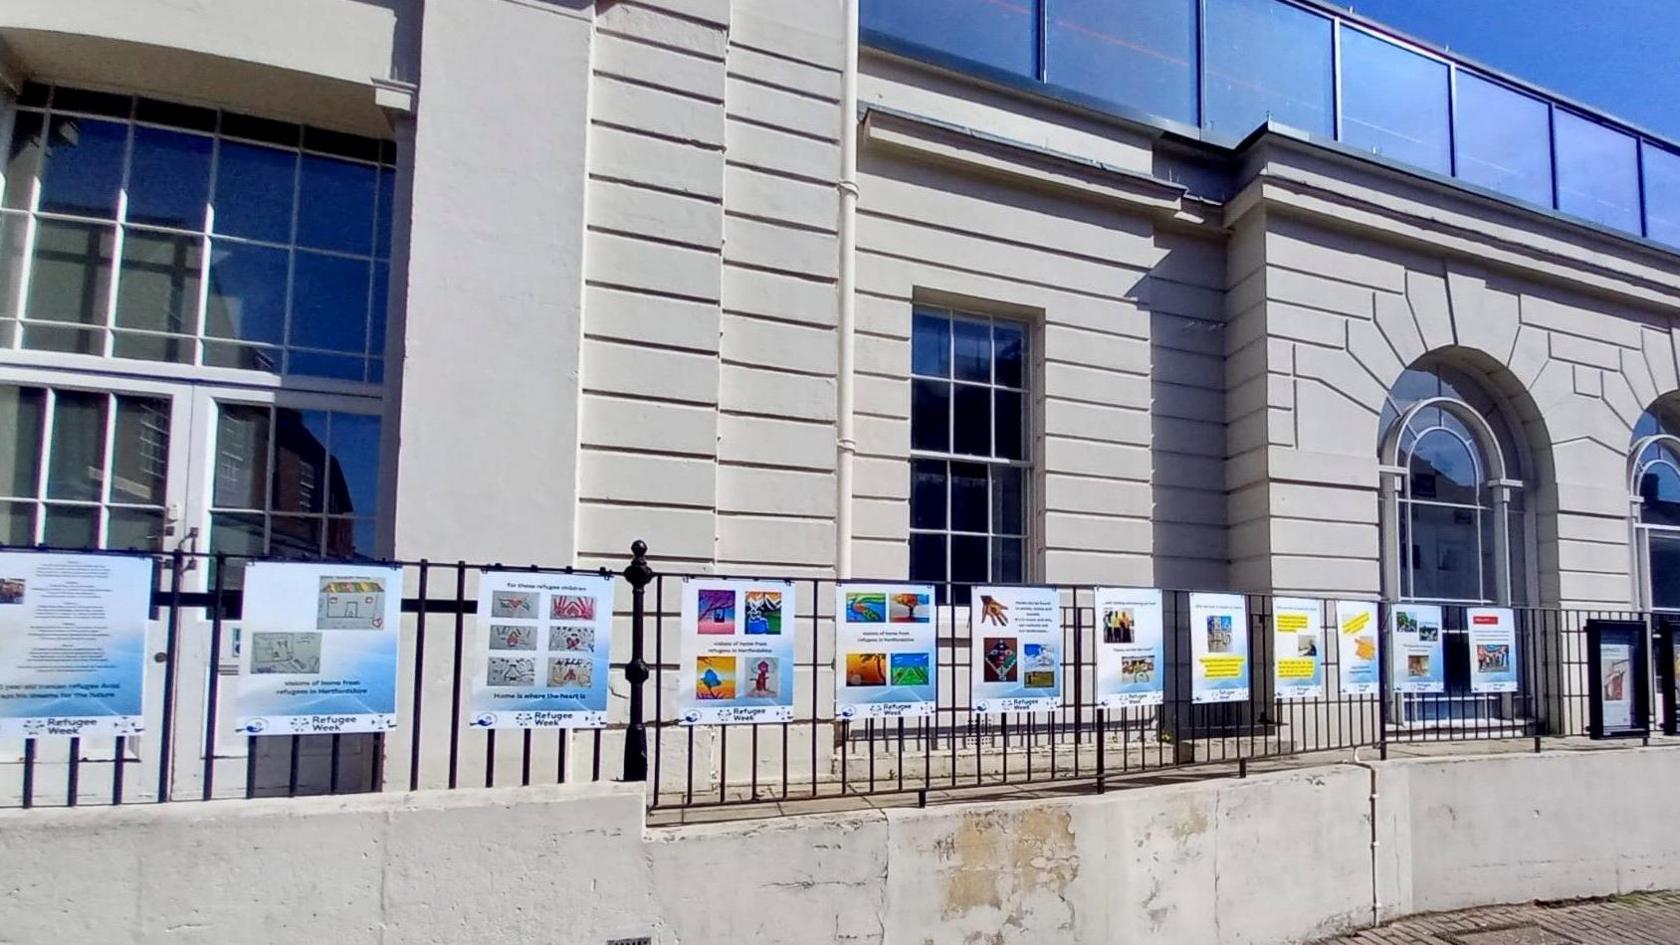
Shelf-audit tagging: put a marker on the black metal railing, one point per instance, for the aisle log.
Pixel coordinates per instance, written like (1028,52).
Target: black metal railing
(189,752)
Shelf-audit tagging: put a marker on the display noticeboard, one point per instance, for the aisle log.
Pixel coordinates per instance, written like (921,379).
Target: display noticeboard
(1131,658)
(886,651)
(1016,646)
(1416,651)
(1297,649)
(737,652)
(72,643)
(1618,691)
(1357,649)
(319,654)
(545,641)
(1218,648)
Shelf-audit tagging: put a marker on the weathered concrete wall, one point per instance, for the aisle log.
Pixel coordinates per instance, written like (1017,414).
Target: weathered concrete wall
(1552,826)
(1275,858)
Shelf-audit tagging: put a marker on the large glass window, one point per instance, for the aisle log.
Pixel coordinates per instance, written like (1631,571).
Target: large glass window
(82,469)
(1267,60)
(969,443)
(299,483)
(1502,140)
(1597,172)
(134,228)
(1002,34)
(1656,483)
(1453,438)
(1662,194)
(1139,55)
(1395,102)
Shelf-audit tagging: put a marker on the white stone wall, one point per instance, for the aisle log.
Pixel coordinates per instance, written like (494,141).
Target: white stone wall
(1342,276)
(709,352)
(1274,858)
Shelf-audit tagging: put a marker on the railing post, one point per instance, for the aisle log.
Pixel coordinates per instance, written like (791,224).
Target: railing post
(640,575)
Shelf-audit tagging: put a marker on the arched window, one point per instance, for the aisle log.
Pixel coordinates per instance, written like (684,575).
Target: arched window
(1654,493)
(1454,528)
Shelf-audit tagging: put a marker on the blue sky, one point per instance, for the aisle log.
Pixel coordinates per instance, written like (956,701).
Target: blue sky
(1619,56)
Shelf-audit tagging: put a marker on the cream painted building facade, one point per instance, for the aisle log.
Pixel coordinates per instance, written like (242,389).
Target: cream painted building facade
(526,280)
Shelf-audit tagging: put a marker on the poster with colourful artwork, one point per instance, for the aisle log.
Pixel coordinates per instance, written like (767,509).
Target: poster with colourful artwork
(1416,649)
(1218,648)
(320,649)
(1493,649)
(545,641)
(1015,641)
(738,652)
(1297,649)
(1131,662)
(886,655)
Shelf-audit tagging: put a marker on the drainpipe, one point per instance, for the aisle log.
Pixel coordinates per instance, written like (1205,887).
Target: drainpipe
(846,329)
(1376,899)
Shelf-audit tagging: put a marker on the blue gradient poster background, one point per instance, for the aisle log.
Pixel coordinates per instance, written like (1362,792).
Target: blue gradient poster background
(72,643)
(319,649)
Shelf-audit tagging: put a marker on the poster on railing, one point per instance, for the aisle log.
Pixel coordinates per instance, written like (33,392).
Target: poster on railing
(1131,664)
(1356,647)
(1416,665)
(545,641)
(1218,648)
(1493,649)
(737,652)
(1297,649)
(319,654)
(72,643)
(1016,642)
(886,651)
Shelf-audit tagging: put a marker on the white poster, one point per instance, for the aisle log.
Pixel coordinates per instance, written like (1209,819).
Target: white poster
(1016,642)
(319,649)
(737,652)
(1218,648)
(1298,648)
(1416,651)
(886,651)
(72,643)
(1615,667)
(1356,647)
(1131,662)
(545,642)
(1493,649)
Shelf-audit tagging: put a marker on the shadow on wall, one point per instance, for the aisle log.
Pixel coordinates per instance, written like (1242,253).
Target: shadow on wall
(1187,436)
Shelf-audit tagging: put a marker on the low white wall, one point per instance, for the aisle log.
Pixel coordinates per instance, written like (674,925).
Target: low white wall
(1271,859)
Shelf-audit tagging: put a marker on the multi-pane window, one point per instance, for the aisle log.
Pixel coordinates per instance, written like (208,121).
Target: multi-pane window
(135,228)
(82,469)
(297,483)
(969,444)
(1449,516)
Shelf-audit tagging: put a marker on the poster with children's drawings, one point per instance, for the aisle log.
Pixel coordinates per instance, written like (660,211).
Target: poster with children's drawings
(1131,664)
(738,652)
(545,641)
(1416,649)
(886,656)
(319,654)
(1016,645)
(1493,649)
(73,643)
(1218,648)
(1356,647)
(1297,649)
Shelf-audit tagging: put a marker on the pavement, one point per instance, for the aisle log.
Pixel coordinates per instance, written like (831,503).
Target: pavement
(1640,919)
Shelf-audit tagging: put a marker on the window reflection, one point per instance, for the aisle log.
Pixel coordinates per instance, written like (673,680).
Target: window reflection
(297,270)
(1267,60)
(302,483)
